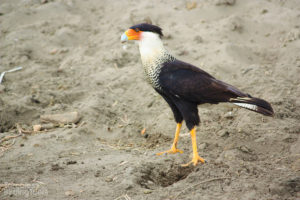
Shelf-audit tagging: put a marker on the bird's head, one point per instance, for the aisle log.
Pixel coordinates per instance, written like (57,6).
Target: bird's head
(141,31)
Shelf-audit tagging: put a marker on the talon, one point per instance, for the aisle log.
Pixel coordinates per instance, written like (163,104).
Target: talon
(174,149)
(196,157)
(171,151)
(195,160)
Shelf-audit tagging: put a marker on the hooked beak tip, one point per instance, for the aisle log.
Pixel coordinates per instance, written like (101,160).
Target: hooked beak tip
(124,38)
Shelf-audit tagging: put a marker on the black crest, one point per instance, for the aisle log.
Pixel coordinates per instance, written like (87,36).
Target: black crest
(148,27)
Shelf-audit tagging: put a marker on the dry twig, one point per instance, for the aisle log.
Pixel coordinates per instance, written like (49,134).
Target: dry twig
(21,130)
(6,147)
(81,124)
(116,66)
(125,196)
(12,70)
(6,185)
(3,147)
(3,186)
(9,137)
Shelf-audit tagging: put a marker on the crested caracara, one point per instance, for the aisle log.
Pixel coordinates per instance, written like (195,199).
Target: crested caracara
(185,86)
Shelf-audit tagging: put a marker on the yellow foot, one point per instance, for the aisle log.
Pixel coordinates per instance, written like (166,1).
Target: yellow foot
(171,151)
(195,161)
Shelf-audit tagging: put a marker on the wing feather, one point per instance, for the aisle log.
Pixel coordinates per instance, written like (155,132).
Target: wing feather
(193,84)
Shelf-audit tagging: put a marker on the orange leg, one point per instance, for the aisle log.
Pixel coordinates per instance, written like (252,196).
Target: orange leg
(196,157)
(174,145)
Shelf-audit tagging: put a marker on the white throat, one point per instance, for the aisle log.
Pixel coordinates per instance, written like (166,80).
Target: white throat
(151,47)
(153,56)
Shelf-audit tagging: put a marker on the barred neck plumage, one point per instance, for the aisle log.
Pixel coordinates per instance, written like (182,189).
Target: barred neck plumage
(153,55)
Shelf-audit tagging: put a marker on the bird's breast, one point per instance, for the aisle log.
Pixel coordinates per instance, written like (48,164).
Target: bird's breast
(152,72)
(153,65)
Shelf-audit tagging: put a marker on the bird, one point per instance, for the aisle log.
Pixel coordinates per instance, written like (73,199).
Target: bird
(184,86)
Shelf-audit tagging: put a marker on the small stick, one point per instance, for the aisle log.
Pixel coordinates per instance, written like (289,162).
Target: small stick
(116,66)
(124,162)
(10,145)
(6,185)
(39,182)
(12,70)
(81,124)
(13,184)
(125,196)
(9,137)
(15,69)
(109,88)
(6,147)
(206,181)
(20,130)
(1,76)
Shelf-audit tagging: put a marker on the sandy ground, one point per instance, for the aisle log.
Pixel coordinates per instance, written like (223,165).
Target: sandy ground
(73,60)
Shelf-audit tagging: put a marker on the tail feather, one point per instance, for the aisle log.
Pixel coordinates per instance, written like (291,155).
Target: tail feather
(254,104)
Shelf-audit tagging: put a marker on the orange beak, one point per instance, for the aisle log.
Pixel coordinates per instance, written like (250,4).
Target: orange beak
(130,34)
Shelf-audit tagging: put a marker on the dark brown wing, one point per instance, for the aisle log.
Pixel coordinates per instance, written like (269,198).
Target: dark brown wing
(192,84)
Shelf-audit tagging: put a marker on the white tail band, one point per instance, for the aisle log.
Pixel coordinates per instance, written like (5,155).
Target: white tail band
(245,105)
